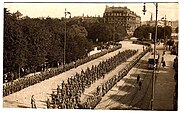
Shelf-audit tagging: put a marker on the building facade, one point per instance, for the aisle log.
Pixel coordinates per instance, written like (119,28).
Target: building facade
(122,16)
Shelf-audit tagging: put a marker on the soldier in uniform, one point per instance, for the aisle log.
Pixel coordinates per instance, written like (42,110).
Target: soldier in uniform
(76,106)
(33,103)
(98,90)
(48,103)
(58,89)
(53,96)
(63,85)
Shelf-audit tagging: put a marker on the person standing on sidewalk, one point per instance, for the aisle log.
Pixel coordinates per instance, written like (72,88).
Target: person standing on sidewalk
(138,78)
(33,103)
(164,52)
(163,63)
(162,59)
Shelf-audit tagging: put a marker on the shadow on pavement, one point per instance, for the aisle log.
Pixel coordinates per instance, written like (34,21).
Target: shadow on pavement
(125,88)
(22,106)
(12,102)
(131,94)
(19,104)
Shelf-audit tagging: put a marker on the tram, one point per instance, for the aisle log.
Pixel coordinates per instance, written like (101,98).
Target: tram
(151,61)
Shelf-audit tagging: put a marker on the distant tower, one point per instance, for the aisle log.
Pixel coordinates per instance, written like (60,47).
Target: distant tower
(82,18)
(151,18)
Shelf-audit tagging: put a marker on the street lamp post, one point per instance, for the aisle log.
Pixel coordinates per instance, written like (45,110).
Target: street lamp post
(154,69)
(113,31)
(64,58)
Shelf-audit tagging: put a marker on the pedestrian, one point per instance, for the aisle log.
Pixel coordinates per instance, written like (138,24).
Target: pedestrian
(162,59)
(48,103)
(33,103)
(138,78)
(164,64)
(164,52)
(143,48)
(140,84)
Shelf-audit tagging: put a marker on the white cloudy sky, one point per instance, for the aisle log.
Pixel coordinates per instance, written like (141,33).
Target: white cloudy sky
(56,10)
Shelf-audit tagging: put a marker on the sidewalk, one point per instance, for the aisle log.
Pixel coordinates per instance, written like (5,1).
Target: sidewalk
(165,85)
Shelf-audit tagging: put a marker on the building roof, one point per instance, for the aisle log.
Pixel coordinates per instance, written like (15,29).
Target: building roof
(119,9)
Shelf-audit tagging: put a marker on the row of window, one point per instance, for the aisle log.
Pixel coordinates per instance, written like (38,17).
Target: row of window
(115,14)
(120,19)
(112,19)
(119,14)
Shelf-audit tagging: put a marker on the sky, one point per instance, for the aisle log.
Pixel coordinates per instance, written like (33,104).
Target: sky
(56,10)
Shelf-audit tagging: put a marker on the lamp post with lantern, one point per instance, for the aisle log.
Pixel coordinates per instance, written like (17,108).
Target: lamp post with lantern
(155,38)
(64,58)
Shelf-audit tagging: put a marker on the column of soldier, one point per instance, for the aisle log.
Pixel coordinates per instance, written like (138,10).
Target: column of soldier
(24,82)
(68,95)
(92,101)
(17,85)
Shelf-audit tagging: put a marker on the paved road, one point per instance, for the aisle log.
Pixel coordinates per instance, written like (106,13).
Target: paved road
(126,94)
(43,89)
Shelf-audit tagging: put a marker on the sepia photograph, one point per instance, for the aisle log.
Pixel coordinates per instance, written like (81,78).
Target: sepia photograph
(90,55)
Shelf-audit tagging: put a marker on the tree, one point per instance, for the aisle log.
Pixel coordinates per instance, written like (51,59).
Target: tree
(101,32)
(17,15)
(176,30)
(56,37)
(77,43)
(37,36)
(168,31)
(14,44)
(139,32)
(143,32)
(120,32)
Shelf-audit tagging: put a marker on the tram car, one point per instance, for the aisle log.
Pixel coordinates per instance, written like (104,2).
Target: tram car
(151,62)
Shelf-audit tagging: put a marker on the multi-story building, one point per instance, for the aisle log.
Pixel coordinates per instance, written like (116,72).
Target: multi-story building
(123,16)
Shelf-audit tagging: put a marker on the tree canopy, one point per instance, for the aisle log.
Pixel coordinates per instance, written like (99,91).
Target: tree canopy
(142,32)
(30,43)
